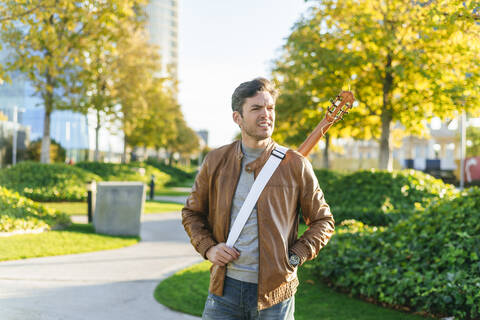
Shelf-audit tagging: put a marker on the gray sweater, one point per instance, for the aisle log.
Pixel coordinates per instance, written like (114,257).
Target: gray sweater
(245,268)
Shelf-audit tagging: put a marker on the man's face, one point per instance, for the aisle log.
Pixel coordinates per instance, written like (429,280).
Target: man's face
(258,118)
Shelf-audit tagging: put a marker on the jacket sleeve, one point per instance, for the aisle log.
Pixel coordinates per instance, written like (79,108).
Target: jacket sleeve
(316,214)
(195,213)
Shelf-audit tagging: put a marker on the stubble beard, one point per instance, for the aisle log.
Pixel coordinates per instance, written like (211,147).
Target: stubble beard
(258,137)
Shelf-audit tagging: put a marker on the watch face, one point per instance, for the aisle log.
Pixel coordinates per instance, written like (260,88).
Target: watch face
(294,260)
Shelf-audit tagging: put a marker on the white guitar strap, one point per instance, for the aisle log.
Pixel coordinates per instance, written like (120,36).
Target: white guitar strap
(268,169)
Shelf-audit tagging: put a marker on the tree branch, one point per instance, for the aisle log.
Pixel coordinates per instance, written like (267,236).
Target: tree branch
(26,13)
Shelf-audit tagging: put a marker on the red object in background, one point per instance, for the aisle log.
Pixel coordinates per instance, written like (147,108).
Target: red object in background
(472,169)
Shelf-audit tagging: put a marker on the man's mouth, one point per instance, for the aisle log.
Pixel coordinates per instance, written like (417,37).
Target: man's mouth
(264,124)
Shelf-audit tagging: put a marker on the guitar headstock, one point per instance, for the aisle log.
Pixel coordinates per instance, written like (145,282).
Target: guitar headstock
(340,106)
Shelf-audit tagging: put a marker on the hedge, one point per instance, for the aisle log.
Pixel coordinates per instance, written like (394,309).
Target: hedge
(327,179)
(47,182)
(19,213)
(381,197)
(134,171)
(429,262)
(178,176)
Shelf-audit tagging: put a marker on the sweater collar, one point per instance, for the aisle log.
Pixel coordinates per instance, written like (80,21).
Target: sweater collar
(260,161)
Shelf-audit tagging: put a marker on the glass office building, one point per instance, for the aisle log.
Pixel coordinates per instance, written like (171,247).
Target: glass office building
(67,128)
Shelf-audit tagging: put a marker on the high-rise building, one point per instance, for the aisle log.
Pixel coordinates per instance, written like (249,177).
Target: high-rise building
(163,31)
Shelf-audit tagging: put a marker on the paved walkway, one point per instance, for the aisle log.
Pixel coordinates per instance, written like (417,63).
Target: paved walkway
(177,199)
(114,284)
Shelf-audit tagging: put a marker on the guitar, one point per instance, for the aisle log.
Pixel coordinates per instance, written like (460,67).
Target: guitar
(340,106)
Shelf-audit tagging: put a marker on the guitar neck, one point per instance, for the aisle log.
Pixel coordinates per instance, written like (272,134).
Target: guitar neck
(340,105)
(314,137)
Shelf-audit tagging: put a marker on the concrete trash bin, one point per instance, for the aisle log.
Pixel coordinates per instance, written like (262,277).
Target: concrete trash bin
(118,208)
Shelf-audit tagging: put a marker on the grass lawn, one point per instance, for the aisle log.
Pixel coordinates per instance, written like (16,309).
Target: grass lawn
(77,238)
(160,207)
(80,208)
(187,290)
(184,191)
(70,208)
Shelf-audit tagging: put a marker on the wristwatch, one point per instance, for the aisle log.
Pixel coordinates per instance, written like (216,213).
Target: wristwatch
(293,260)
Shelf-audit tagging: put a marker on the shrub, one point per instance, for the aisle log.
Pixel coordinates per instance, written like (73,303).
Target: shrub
(18,213)
(178,176)
(381,197)
(34,150)
(428,262)
(327,180)
(47,182)
(134,171)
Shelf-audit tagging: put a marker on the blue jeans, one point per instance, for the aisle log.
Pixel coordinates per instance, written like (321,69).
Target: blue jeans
(239,302)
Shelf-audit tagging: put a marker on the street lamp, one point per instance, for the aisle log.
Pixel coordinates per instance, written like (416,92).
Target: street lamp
(463,134)
(14,142)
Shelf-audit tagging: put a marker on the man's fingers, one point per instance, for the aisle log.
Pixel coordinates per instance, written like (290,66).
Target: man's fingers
(222,255)
(225,255)
(231,251)
(235,253)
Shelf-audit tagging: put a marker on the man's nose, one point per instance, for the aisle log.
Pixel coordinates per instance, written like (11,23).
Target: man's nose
(264,111)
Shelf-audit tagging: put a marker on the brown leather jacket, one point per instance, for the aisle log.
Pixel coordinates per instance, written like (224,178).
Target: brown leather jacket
(293,186)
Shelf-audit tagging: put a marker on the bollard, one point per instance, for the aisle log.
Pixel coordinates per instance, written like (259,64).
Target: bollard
(91,188)
(152,187)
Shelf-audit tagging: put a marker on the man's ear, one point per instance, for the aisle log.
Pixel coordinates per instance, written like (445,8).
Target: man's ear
(237,117)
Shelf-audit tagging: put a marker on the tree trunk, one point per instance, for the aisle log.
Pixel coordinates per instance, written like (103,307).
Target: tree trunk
(124,155)
(96,156)
(325,151)
(385,160)
(45,154)
(48,100)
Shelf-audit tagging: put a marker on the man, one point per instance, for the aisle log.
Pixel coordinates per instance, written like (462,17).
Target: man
(257,279)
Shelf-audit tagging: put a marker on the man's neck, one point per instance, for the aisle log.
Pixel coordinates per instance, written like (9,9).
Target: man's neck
(255,144)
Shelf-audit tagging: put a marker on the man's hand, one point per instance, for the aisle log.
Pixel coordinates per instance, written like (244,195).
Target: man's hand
(221,254)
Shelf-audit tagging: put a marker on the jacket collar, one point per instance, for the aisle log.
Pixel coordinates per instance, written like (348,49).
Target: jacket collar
(260,161)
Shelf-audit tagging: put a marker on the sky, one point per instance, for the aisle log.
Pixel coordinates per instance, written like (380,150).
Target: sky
(223,43)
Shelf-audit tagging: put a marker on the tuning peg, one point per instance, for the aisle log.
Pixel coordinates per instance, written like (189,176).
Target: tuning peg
(330,109)
(332,100)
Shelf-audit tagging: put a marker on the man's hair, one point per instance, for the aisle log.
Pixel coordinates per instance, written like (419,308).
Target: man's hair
(249,89)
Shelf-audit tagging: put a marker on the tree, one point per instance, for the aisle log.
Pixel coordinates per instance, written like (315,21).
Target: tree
(139,63)
(47,45)
(158,125)
(101,65)
(11,11)
(185,142)
(50,41)
(406,62)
